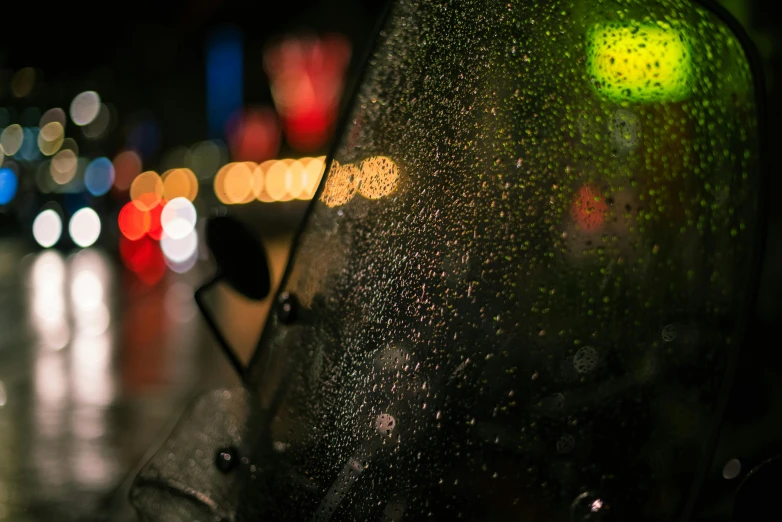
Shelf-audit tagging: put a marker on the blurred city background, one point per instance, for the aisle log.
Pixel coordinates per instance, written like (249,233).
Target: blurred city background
(122,128)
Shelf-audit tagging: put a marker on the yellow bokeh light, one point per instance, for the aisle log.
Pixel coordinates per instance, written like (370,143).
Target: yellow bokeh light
(259,182)
(640,62)
(341,184)
(276,180)
(11,139)
(233,183)
(294,179)
(180,183)
(146,191)
(50,138)
(288,179)
(23,81)
(313,171)
(379,177)
(251,166)
(63,166)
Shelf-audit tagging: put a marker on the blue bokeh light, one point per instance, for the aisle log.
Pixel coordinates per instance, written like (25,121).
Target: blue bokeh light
(224,78)
(99,176)
(29,150)
(8,185)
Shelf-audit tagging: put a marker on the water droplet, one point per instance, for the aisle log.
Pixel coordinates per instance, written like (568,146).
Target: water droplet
(732,469)
(669,333)
(586,359)
(226,459)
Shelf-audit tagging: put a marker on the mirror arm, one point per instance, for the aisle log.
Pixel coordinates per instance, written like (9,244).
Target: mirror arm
(212,324)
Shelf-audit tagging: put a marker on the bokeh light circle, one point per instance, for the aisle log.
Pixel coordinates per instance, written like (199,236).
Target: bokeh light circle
(313,171)
(589,208)
(155,227)
(205,158)
(259,181)
(23,81)
(99,176)
(63,166)
(180,183)
(84,227)
(179,250)
(47,228)
(294,179)
(11,139)
(85,107)
(234,183)
(97,127)
(379,176)
(341,184)
(127,165)
(8,185)
(178,218)
(53,115)
(276,181)
(133,222)
(51,137)
(146,191)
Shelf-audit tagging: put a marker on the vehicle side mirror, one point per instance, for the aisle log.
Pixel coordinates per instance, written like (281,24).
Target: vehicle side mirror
(242,263)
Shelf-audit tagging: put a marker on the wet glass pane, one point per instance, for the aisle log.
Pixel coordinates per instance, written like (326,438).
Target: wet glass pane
(517,293)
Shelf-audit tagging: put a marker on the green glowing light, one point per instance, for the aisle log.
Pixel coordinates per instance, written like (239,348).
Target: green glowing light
(640,63)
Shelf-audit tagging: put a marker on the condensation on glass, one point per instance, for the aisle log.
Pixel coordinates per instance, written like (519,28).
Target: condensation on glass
(524,273)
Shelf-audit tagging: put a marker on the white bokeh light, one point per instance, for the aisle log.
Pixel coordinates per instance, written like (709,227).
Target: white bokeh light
(47,228)
(84,227)
(85,107)
(178,218)
(179,250)
(86,291)
(181,267)
(47,299)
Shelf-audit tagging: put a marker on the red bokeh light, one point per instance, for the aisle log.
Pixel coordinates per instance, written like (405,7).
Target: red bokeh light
(589,209)
(154,271)
(133,222)
(307,78)
(155,230)
(143,257)
(308,130)
(254,135)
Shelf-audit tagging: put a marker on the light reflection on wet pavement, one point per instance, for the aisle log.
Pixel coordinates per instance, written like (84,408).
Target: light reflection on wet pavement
(94,370)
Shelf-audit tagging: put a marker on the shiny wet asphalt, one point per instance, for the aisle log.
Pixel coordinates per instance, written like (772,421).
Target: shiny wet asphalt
(95,367)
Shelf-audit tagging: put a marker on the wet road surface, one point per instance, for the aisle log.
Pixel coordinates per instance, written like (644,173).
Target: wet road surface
(95,367)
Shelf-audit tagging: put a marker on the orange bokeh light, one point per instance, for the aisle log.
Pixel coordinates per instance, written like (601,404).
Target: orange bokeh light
(341,184)
(379,177)
(276,181)
(233,183)
(313,171)
(146,191)
(180,183)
